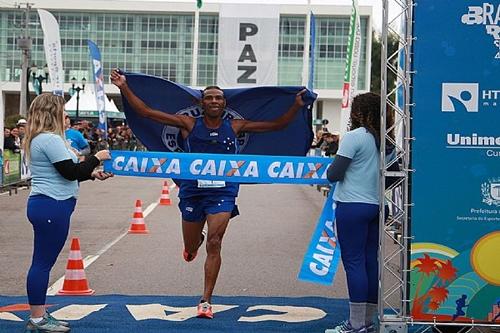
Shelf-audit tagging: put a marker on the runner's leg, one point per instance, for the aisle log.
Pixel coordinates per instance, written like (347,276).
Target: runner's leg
(191,233)
(217,224)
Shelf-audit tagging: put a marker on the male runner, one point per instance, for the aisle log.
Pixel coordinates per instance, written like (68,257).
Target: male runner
(200,200)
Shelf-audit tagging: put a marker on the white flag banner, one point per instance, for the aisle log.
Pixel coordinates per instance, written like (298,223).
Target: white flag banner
(52,46)
(248,45)
(351,66)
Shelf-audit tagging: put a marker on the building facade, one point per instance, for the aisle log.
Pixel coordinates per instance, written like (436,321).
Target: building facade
(157,38)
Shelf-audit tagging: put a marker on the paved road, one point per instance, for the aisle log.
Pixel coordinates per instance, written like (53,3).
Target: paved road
(262,251)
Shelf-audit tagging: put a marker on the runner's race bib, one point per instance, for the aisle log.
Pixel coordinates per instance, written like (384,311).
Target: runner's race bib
(211,183)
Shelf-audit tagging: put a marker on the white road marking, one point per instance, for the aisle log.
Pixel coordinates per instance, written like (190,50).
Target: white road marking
(53,289)
(289,314)
(77,311)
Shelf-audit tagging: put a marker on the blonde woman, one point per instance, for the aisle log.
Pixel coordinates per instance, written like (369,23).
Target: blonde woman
(55,176)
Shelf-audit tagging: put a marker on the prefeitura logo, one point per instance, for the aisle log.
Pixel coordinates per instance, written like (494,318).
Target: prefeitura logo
(488,15)
(491,192)
(171,138)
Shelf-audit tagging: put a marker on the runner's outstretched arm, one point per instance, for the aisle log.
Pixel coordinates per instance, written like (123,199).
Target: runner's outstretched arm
(273,125)
(180,121)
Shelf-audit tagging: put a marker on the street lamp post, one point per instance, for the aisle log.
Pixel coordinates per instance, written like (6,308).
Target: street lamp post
(40,78)
(77,89)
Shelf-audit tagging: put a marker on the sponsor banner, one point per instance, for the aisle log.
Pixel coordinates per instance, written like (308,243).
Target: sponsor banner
(351,67)
(11,167)
(248,45)
(323,254)
(256,104)
(456,157)
(95,57)
(232,168)
(52,47)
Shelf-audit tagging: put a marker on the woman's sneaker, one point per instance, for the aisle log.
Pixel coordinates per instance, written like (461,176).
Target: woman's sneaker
(345,327)
(49,317)
(372,328)
(45,326)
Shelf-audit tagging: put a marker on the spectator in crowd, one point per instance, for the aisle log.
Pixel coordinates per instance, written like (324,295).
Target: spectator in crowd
(7,141)
(14,133)
(12,141)
(21,130)
(320,135)
(331,144)
(75,138)
(56,174)
(357,197)
(21,124)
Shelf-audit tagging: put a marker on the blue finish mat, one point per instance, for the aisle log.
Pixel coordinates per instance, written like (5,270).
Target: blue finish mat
(120,313)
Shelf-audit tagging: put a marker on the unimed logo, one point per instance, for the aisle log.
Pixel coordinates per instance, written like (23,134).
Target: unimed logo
(460,97)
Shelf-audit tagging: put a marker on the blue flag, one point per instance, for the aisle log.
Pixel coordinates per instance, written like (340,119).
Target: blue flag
(256,104)
(95,57)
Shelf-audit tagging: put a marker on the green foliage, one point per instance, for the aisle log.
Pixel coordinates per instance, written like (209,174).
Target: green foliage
(393,45)
(11,121)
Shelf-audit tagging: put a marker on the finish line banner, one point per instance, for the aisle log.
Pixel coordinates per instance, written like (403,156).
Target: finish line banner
(233,168)
(322,257)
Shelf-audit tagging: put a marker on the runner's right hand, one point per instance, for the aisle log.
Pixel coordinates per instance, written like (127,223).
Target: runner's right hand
(118,79)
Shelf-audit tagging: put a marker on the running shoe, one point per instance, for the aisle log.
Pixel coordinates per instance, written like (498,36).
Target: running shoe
(188,257)
(372,328)
(205,310)
(49,317)
(345,327)
(45,326)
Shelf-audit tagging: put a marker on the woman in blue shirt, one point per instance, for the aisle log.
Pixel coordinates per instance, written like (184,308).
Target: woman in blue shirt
(356,171)
(55,176)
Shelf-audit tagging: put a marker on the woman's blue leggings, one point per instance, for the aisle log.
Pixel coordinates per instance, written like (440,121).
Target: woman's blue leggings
(50,219)
(357,229)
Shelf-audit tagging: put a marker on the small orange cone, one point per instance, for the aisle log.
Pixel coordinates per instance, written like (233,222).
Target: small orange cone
(75,282)
(138,226)
(165,197)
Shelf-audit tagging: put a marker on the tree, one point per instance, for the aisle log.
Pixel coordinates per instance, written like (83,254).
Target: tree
(393,45)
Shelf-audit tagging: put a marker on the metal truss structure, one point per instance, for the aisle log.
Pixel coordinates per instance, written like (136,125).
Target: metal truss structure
(395,241)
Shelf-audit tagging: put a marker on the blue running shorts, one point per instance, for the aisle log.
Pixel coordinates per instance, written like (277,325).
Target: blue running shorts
(196,209)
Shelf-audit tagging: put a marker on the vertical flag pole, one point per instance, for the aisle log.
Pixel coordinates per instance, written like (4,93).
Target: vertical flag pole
(194,66)
(307,42)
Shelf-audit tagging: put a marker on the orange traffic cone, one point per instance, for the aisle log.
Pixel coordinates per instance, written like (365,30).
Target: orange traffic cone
(165,197)
(75,282)
(138,226)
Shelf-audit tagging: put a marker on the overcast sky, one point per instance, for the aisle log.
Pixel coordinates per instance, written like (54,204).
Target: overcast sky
(377,5)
